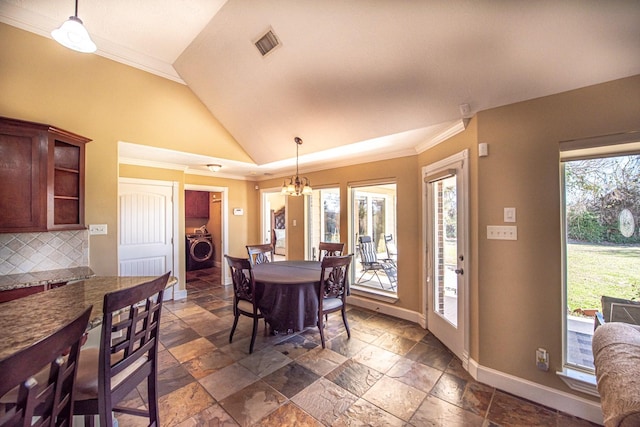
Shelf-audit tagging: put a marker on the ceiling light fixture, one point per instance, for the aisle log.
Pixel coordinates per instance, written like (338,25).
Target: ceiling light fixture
(214,167)
(73,35)
(297,186)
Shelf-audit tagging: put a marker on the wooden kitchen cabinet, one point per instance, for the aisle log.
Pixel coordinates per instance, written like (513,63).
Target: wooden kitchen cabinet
(42,176)
(196,204)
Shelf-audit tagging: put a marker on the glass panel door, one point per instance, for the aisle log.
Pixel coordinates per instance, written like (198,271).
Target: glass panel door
(446,240)
(445,254)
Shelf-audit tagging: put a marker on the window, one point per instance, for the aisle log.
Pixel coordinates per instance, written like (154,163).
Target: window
(373,218)
(601,245)
(323,219)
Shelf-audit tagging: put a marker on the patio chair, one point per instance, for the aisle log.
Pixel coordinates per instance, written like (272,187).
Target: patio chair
(259,254)
(618,310)
(392,251)
(371,264)
(329,249)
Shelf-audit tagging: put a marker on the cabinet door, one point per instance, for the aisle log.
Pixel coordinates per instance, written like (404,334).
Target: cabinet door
(23,175)
(196,204)
(41,177)
(66,177)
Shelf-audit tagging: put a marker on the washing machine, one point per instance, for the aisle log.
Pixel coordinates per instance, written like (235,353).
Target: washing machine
(199,249)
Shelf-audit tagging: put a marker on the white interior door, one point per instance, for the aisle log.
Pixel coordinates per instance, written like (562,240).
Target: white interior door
(145,230)
(446,225)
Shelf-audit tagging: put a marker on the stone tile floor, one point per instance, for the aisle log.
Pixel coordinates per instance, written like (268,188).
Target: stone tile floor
(390,373)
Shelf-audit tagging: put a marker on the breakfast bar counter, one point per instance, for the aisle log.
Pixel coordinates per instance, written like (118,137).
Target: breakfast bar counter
(44,278)
(27,320)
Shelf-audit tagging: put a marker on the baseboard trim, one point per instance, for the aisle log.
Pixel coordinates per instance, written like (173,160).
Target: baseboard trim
(179,294)
(373,305)
(547,396)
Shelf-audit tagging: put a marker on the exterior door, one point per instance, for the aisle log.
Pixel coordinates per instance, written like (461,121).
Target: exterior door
(446,225)
(145,238)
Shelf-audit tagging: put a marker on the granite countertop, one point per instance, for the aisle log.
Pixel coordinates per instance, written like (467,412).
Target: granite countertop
(27,320)
(44,278)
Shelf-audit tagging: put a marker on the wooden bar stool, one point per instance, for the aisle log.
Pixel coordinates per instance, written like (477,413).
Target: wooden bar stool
(39,380)
(127,355)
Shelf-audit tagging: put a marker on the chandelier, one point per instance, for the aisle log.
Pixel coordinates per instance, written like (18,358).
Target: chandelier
(297,186)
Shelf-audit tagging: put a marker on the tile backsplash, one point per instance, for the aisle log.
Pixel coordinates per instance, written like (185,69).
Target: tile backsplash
(31,252)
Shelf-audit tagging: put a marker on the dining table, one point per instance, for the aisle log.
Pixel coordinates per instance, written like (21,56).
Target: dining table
(287,294)
(30,319)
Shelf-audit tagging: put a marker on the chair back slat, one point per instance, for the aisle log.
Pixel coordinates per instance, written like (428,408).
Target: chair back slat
(259,254)
(44,392)
(329,249)
(334,278)
(242,278)
(130,331)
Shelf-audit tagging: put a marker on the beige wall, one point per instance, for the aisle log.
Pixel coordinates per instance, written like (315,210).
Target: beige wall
(516,287)
(108,102)
(519,300)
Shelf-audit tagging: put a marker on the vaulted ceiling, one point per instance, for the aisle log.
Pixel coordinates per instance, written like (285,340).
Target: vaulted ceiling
(381,77)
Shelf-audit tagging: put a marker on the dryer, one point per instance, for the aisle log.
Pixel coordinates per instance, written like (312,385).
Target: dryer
(199,251)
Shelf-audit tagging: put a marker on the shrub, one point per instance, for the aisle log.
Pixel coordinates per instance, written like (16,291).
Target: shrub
(584,226)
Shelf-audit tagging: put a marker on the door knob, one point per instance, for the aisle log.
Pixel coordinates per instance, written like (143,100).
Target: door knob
(459,271)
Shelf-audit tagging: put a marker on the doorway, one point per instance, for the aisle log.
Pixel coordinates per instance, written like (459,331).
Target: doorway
(216,224)
(446,200)
(273,224)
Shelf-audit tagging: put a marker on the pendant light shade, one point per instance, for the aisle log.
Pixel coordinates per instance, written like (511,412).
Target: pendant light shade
(73,35)
(297,186)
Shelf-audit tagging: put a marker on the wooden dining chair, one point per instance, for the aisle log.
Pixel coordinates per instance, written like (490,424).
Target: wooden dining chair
(329,249)
(259,254)
(39,380)
(128,355)
(334,288)
(244,300)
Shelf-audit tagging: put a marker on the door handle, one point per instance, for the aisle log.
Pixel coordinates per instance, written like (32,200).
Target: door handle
(459,271)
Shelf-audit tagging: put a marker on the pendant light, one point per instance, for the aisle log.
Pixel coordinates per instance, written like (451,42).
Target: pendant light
(297,186)
(73,35)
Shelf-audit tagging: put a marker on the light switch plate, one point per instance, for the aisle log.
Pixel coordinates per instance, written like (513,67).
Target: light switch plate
(502,232)
(97,229)
(509,214)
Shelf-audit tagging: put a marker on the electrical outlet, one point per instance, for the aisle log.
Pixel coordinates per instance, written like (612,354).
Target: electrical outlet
(542,359)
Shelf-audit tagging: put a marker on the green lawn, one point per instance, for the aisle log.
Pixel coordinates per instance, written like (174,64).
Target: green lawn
(596,270)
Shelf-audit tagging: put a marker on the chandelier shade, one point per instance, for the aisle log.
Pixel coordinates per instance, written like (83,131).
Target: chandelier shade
(73,35)
(297,186)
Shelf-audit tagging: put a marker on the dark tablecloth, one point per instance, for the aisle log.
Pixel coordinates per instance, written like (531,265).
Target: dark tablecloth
(287,294)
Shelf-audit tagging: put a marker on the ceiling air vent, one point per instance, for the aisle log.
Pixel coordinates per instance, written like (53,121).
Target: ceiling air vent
(267,43)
